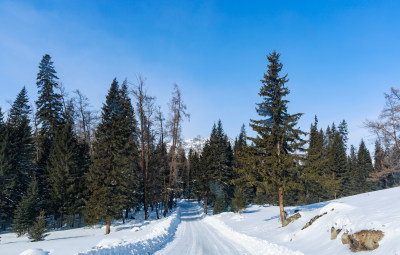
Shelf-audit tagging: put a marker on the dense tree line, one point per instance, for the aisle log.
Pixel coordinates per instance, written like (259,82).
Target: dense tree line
(282,164)
(63,165)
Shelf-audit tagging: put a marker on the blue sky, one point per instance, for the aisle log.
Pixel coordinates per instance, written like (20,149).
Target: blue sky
(341,56)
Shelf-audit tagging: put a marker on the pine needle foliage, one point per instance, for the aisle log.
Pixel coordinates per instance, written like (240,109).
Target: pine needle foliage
(113,175)
(277,139)
(27,209)
(38,231)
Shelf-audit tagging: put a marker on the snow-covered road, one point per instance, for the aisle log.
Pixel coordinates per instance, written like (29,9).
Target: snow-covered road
(201,234)
(194,236)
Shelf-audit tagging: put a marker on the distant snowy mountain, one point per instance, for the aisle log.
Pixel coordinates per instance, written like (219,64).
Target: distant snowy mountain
(196,144)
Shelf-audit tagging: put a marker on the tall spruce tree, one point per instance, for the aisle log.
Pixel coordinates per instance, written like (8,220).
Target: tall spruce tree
(204,176)
(277,138)
(9,177)
(244,191)
(350,179)
(343,131)
(5,166)
(19,123)
(217,172)
(49,120)
(364,167)
(313,177)
(129,153)
(114,148)
(16,155)
(63,173)
(337,164)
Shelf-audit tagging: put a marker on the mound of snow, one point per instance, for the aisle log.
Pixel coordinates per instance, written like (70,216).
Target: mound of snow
(109,242)
(254,245)
(157,236)
(34,252)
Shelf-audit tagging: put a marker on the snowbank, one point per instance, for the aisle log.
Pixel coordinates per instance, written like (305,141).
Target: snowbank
(137,236)
(379,210)
(34,252)
(254,245)
(159,235)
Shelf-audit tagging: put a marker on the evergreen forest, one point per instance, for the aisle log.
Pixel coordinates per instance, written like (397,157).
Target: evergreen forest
(63,164)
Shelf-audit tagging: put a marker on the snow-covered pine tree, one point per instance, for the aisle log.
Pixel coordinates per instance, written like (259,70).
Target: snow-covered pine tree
(216,173)
(337,164)
(63,175)
(364,167)
(49,120)
(113,161)
(17,155)
(129,153)
(38,231)
(277,138)
(243,165)
(313,175)
(350,180)
(4,170)
(27,210)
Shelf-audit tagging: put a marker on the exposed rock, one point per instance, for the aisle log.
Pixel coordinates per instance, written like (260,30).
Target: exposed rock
(291,219)
(334,233)
(365,240)
(345,238)
(312,220)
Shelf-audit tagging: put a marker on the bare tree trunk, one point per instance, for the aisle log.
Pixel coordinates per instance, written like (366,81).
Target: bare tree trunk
(178,110)
(108,225)
(281,209)
(157,211)
(141,97)
(126,212)
(205,202)
(386,182)
(79,221)
(123,218)
(166,197)
(280,189)
(146,216)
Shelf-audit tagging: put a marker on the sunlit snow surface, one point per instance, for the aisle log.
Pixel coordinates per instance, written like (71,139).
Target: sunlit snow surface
(256,231)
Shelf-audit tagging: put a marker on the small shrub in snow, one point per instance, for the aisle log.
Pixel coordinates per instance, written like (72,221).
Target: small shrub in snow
(239,202)
(38,230)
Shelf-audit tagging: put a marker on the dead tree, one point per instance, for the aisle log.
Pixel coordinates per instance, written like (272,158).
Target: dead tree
(86,118)
(386,129)
(178,111)
(142,99)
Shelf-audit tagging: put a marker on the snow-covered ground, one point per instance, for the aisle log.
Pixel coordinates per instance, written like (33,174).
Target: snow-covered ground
(256,231)
(134,237)
(200,234)
(378,210)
